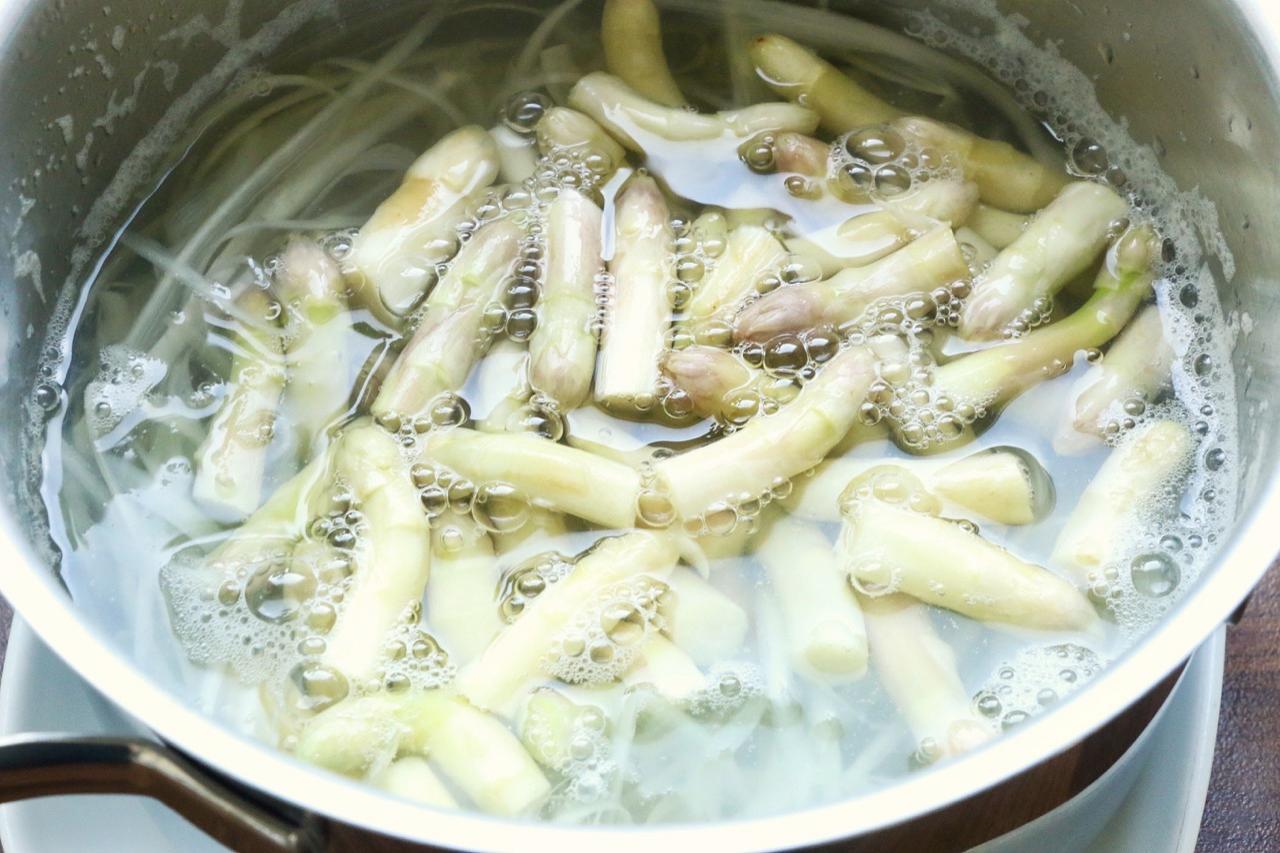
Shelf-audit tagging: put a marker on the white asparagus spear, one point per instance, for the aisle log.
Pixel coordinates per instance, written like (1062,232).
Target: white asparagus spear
(931,261)
(496,678)
(667,668)
(566,131)
(462,607)
(1137,366)
(517,154)
(448,340)
(751,252)
(1060,243)
(632,37)
(312,288)
(232,460)
(822,621)
(394,256)
(983,253)
(918,671)
(562,349)
(552,475)
(638,312)
(998,227)
(1000,484)
(1133,481)
(393,561)
(413,779)
(621,111)
(722,385)
(945,565)
(704,622)
(773,448)
(548,721)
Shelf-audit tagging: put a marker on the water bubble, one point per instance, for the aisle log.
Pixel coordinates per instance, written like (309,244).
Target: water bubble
(48,396)
(875,144)
(500,508)
(1089,158)
(316,687)
(891,180)
(1154,575)
(275,593)
(524,110)
(1215,459)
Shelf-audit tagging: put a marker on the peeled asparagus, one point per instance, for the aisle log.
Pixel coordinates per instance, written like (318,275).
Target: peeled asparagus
(638,313)
(495,679)
(462,607)
(231,461)
(448,340)
(823,624)
(517,156)
(774,448)
(1061,242)
(751,252)
(312,288)
(998,227)
(562,349)
(721,385)
(630,117)
(394,558)
(1130,485)
(394,256)
(474,751)
(412,778)
(552,475)
(942,564)
(1005,176)
(702,621)
(918,671)
(667,668)
(547,722)
(566,130)
(931,261)
(1001,485)
(1136,367)
(633,50)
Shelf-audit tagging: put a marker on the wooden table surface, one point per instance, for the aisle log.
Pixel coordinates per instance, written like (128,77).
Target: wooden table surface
(1243,811)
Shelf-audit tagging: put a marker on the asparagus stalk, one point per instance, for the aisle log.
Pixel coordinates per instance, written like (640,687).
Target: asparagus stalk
(1060,242)
(998,227)
(393,257)
(721,385)
(548,721)
(630,117)
(668,669)
(515,656)
(983,253)
(1005,177)
(562,349)
(517,156)
(541,532)
(394,559)
(993,376)
(232,460)
(1128,487)
(565,130)
(702,621)
(751,252)
(448,339)
(553,475)
(932,261)
(633,50)
(313,290)
(413,779)
(473,750)
(918,671)
(753,459)
(1001,484)
(1136,367)
(461,606)
(823,623)
(638,312)
(942,564)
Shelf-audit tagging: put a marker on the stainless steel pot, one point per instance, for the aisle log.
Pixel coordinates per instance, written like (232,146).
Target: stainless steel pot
(1199,76)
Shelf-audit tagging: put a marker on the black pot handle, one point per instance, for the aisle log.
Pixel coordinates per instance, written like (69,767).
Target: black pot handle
(46,765)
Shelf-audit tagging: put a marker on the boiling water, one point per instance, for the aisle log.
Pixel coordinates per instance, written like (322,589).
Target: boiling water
(153,347)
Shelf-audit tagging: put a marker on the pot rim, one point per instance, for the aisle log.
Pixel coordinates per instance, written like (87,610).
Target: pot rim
(1240,563)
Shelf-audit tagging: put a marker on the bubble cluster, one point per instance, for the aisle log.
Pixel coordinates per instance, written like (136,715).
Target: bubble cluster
(602,640)
(524,582)
(879,163)
(1037,678)
(125,377)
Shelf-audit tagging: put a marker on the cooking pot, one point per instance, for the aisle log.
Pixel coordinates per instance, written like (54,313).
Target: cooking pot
(83,91)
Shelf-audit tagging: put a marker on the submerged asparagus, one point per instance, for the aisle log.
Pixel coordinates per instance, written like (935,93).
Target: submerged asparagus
(1131,485)
(631,117)
(448,339)
(767,450)
(394,559)
(932,261)
(721,385)
(918,671)
(638,312)
(548,721)
(231,461)
(1058,244)
(942,564)
(515,656)
(1136,367)
(413,779)
(633,50)
(823,623)
(998,227)
(517,156)
(562,349)
(312,288)
(394,256)
(1005,177)
(751,251)
(461,606)
(668,669)
(703,621)
(563,130)
(553,475)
